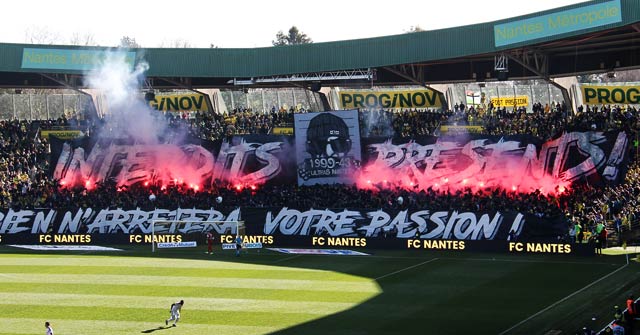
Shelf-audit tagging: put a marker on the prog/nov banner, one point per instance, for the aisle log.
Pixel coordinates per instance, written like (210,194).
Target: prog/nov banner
(391,99)
(600,94)
(518,101)
(327,147)
(250,159)
(62,134)
(180,102)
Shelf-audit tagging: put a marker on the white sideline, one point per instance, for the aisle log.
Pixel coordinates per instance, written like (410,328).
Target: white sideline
(564,299)
(405,269)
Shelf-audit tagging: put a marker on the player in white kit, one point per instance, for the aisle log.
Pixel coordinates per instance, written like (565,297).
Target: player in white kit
(175,313)
(47,325)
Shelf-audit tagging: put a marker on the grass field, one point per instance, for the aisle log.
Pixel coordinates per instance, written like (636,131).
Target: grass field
(388,292)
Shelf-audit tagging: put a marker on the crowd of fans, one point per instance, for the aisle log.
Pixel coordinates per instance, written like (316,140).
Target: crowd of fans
(23,164)
(402,123)
(25,182)
(541,121)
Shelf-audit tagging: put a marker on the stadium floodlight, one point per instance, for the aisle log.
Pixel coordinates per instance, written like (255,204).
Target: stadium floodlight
(165,231)
(501,63)
(239,82)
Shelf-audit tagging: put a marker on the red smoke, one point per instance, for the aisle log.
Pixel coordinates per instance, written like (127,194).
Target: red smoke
(510,176)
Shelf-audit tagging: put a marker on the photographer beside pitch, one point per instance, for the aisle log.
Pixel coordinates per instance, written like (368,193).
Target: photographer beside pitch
(238,245)
(175,313)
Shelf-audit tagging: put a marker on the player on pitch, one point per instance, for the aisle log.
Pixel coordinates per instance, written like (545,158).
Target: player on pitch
(209,243)
(175,312)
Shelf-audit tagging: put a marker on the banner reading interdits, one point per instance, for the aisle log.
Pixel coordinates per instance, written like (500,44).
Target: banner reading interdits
(249,159)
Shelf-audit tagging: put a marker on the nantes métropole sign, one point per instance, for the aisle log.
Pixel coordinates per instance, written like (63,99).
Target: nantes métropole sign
(71,59)
(565,21)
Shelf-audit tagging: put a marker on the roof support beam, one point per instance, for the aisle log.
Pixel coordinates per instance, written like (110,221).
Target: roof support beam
(416,79)
(538,63)
(360,74)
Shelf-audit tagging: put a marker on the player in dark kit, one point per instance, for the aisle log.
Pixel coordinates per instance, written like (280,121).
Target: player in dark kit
(209,243)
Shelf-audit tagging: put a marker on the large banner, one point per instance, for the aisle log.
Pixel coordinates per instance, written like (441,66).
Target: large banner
(508,162)
(327,147)
(449,224)
(327,150)
(246,160)
(599,95)
(391,99)
(427,229)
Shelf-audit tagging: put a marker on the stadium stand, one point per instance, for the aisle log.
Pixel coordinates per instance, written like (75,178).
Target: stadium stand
(25,182)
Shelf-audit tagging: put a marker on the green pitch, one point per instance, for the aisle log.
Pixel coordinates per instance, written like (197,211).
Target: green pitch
(130,292)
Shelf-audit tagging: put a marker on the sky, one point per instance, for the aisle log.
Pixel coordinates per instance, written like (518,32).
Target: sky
(242,24)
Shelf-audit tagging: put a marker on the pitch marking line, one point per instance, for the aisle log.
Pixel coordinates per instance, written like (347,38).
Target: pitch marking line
(287,258)
(405,269)
(562,300)
(525,261)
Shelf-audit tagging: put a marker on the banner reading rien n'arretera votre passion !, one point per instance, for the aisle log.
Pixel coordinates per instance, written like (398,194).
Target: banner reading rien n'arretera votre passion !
(327,147)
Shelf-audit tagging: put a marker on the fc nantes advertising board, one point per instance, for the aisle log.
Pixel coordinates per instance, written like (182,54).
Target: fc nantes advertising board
(327,147)
(391,99)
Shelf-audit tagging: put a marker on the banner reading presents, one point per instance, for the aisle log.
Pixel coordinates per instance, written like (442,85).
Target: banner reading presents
(475,160)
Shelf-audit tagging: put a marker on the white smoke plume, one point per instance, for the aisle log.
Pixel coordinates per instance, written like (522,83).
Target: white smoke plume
(127,115)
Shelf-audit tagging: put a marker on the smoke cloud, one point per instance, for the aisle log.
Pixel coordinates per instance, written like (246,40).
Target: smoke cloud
(128,116)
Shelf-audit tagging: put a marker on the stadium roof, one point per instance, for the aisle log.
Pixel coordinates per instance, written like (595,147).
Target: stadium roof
(595,36)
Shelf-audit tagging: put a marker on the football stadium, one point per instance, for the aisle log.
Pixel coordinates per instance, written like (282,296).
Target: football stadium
(401,184)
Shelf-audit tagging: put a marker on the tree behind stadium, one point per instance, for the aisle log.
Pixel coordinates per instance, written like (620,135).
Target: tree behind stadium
(293,37)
